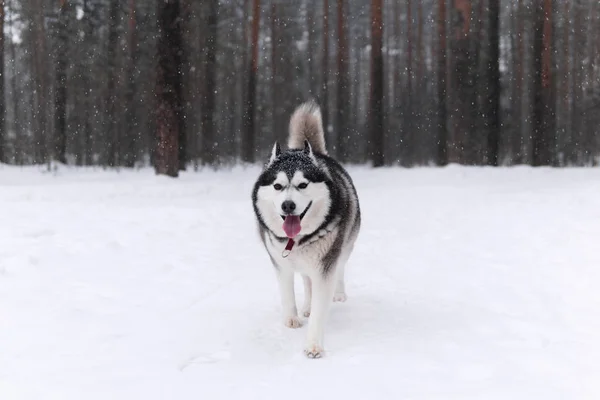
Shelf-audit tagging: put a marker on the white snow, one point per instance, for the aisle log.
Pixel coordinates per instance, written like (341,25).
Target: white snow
(466,283)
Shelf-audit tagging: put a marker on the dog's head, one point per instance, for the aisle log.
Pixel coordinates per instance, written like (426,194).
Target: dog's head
(292,196)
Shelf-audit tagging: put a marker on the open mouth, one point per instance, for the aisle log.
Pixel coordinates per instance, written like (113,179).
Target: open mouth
(291,223)
(301,215)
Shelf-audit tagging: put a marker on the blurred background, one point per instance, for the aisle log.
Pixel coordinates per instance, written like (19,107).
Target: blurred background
(184,83)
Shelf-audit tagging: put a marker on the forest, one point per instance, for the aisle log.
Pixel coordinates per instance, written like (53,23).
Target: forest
(185,84)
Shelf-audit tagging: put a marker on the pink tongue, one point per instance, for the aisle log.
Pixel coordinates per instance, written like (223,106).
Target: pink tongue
(291,225)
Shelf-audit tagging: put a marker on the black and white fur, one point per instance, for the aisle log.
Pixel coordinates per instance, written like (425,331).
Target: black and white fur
(326,199)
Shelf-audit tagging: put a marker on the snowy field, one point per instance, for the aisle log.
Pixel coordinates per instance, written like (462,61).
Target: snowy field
(466,283)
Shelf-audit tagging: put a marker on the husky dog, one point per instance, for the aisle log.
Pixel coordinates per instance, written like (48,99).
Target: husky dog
(308,219)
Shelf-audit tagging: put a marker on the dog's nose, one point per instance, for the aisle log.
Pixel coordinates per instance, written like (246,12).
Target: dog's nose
(288,207)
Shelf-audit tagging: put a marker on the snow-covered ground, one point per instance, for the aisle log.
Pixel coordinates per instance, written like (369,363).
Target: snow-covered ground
(466,283)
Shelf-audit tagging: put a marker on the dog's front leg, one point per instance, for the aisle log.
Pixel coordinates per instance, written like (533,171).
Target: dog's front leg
(307,296)
(322,292)
(288,298)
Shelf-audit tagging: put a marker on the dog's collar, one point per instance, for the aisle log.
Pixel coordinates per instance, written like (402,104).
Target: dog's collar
(288,248)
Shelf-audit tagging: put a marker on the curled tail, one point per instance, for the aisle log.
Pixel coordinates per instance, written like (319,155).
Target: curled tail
(306,124)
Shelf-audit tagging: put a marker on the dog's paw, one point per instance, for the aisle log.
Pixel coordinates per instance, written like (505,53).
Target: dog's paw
(292,322)
(305,311)
(341,297)
(314,351)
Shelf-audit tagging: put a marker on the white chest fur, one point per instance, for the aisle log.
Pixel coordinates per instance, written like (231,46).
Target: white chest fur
(305,258)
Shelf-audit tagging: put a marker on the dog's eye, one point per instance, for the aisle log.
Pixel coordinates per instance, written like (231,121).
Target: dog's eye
(277,186)
(302,185)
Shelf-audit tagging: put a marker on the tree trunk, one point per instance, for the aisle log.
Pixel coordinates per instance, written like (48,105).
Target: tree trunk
(3,155)
(543,107)
(310,50)
(493,87)
(17,123)
(462,87)
(569,82)
(182,72)
(111,135)
(209,147)
(87,88)
(596,89)
(420,92)
(512,143)
(168,88)
(520,99)
(376,96)
(342,97)
(60,92)
(248,135)
(132,132)
(244,70)
(275,78)
(589,95)
(477,142)
(325,69)
(396,59)
(408,135)
(42,142)
(442,114)
(578,96)
(594,74)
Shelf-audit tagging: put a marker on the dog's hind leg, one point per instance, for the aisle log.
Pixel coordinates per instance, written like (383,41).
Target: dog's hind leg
(340,287)
(288,298)
(307,296)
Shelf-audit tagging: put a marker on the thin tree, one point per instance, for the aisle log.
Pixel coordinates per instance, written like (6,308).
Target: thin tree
(395,62)
(275,70)
(593,113)
(243,79)
(589,108)
(493,87)
(462,89)
(86,80)
(342,97)
(376,99)
(576,81)
(210,78)
(3,157)
(442,114)
(168,88)
(310,50)
(478,139)
(408,148)
(17,123)
(543,87)
(325,69)
(518,32)
(39,60)
(248,133)
(421,69)
(131,128)
(419,91)
(60,92)
(596,88)
(567,86)
(112,138)
(182,73)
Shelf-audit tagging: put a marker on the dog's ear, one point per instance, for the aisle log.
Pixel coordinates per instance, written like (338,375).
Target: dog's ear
(309,152)
(307,148)
(275,152)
